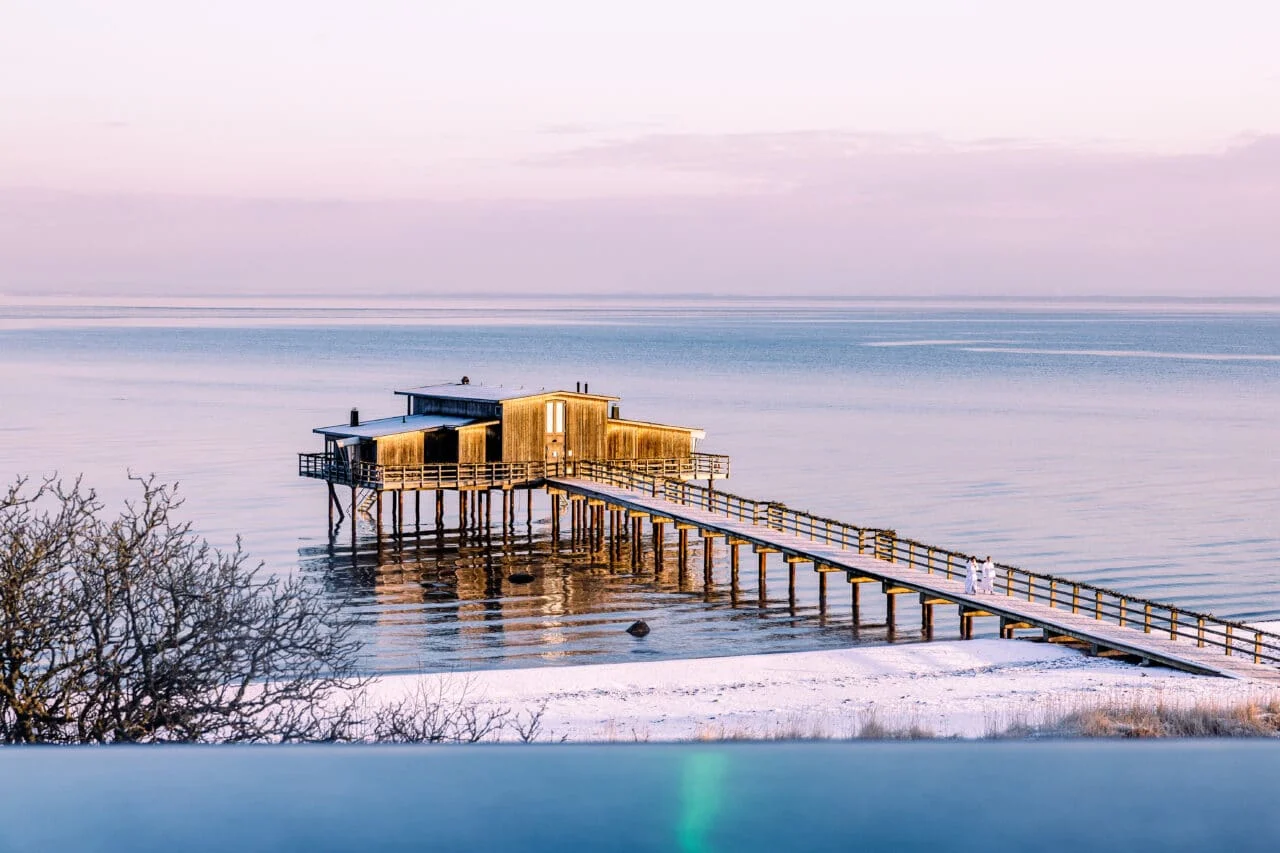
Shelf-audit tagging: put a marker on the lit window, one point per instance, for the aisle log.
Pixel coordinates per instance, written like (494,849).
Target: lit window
(555,416)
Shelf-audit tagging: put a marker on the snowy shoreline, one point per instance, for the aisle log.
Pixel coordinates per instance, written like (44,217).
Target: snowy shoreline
(956,688)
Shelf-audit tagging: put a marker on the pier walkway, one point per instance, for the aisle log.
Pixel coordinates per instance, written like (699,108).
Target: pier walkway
(1099,620)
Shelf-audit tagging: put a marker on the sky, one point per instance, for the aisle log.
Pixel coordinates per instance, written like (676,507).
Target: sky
(919,147)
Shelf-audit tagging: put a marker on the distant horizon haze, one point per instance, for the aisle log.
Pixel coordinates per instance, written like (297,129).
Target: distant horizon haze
(818,214)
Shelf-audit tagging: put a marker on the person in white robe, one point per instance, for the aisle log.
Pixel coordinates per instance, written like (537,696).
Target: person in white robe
(989,577)
(971,576)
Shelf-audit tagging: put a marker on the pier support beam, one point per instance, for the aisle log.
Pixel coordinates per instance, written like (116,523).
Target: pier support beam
(659,544)
(761,581)
(555,520)
(733,571)
(708,560)
(353,522)
(637,540)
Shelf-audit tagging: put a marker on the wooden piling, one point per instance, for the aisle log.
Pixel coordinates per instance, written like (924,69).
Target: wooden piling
(555,520)
(353,521)
(760,582)
(708,558)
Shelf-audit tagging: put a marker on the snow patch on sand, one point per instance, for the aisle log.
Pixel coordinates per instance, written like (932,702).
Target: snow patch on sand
(960,688)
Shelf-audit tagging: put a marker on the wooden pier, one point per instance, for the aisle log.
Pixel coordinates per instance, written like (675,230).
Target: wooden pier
(605,470)
(1101,621)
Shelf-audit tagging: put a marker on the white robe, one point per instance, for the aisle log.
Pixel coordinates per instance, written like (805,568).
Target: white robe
(971,578)
(989,577)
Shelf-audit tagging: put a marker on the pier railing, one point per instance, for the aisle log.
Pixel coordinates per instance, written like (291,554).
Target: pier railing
(336,469)
(1232,637)
(697,466)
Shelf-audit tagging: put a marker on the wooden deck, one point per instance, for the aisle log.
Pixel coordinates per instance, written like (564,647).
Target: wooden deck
(1064,610)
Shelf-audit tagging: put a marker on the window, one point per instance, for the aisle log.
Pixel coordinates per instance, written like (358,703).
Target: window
(555,416)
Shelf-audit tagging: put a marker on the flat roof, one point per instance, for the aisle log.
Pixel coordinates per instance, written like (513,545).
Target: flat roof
(491,393)
(393,426)
(696,432)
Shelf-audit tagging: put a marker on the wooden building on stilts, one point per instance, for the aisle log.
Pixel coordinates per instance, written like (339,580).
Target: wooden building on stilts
(475,440)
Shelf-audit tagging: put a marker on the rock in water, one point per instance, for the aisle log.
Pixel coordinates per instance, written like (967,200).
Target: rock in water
(638,629)
(521,577)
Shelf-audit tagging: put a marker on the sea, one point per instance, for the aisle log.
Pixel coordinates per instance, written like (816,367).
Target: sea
(1131,444)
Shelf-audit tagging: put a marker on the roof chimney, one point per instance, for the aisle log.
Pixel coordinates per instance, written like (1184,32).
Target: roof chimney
(355,417)
(577,387)
(586,389)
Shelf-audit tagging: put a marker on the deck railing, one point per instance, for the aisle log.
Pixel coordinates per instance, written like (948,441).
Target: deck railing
(1234,638)
(431,476)
(335,469)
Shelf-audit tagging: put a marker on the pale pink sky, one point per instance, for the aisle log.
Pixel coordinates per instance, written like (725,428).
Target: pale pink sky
(917,147)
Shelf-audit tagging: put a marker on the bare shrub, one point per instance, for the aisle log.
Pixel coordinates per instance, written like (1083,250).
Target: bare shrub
(445,709)
(131,629)
(437,710)
(527,724)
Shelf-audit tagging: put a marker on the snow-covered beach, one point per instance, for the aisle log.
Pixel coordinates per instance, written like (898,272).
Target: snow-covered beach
(952,688)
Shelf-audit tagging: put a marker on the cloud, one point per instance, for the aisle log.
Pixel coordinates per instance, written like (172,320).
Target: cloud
(822,213)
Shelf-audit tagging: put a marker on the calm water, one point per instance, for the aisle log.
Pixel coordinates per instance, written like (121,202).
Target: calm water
(1134,447)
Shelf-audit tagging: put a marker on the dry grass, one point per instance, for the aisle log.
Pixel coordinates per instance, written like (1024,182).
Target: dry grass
(1147,716)
(869,725)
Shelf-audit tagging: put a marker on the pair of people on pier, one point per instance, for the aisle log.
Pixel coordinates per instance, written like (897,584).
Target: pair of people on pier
(980,578)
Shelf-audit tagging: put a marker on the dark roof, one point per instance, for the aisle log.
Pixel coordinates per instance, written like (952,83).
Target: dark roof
(394,426)
(490,393)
